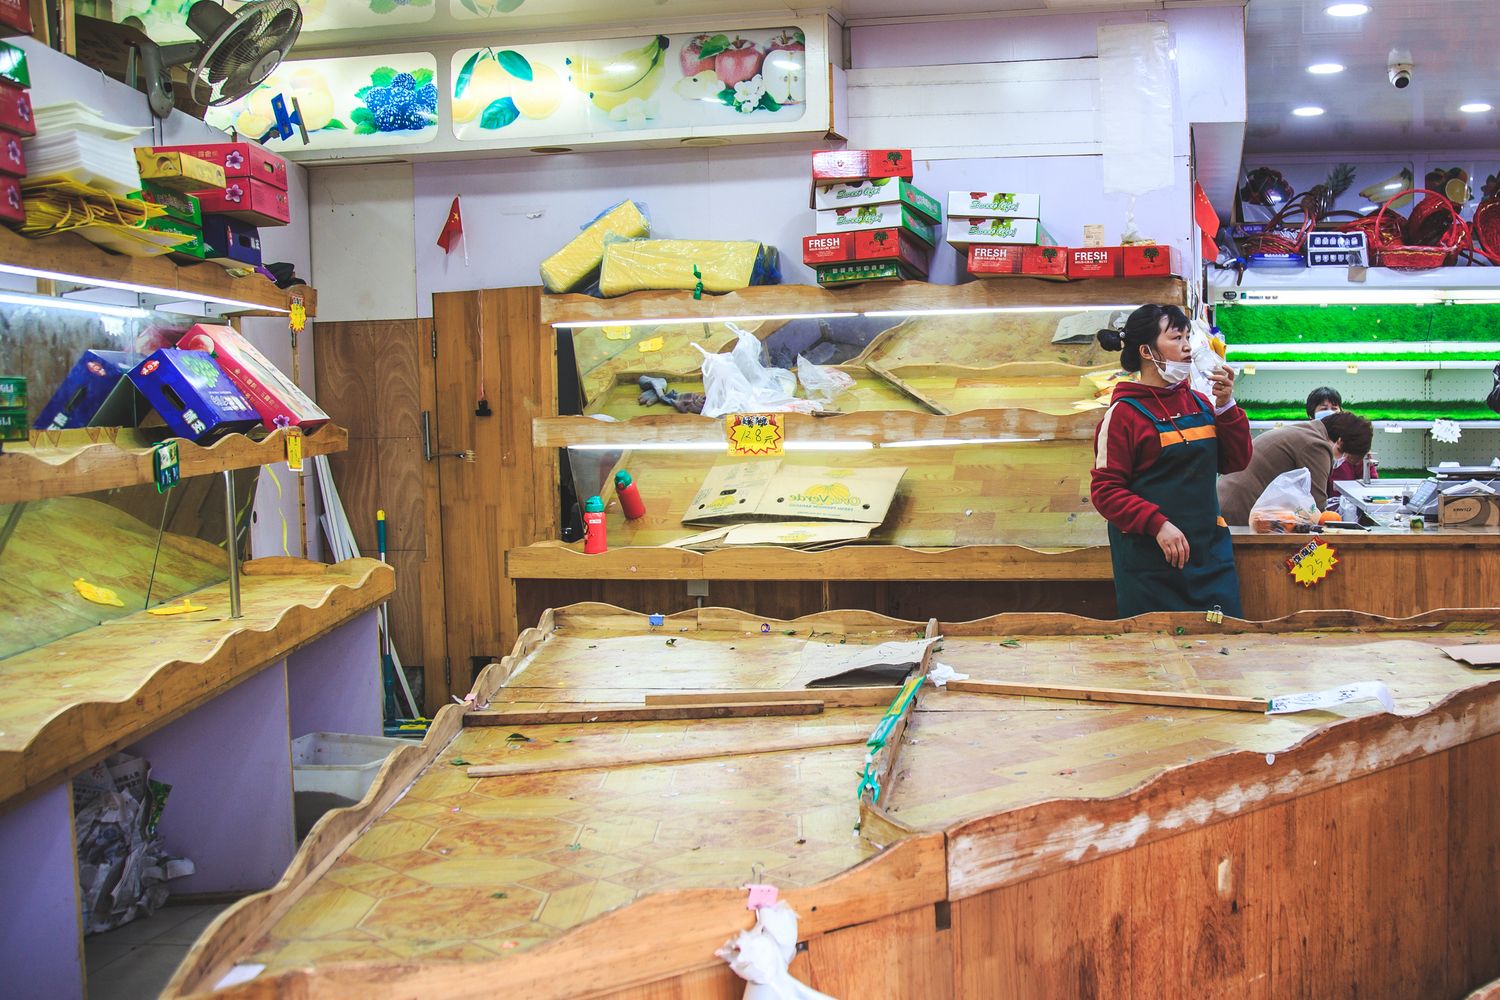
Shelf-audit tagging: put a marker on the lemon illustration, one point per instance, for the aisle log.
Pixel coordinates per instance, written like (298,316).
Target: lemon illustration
(488,82)
(540,96)
(313,97)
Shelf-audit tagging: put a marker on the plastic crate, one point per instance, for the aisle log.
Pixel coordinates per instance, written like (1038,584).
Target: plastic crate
(339,764)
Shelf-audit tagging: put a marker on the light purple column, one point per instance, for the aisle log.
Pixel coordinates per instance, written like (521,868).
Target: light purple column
(334,683)
(230,767)
(41,939)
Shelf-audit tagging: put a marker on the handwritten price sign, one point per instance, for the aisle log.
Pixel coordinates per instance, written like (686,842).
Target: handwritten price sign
(1313,562)
(755,435)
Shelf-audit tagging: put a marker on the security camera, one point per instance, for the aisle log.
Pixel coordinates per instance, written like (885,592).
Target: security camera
(1400,69)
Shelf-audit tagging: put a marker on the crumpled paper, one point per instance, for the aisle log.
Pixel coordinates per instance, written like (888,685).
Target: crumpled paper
(761,956)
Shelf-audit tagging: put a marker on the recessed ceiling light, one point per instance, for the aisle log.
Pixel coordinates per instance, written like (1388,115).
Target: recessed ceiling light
(1312,111)
(1325,69)
(1346,9)
(1474,108)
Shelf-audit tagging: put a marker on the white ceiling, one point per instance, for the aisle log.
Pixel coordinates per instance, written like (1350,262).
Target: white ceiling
(1454,48)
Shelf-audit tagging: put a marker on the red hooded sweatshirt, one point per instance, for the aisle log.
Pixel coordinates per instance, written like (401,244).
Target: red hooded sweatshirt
(1126,444)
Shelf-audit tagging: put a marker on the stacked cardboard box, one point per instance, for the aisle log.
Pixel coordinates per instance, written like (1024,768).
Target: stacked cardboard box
(15,122)
(12,408)
(1002,235)
(873,223)
(229,214)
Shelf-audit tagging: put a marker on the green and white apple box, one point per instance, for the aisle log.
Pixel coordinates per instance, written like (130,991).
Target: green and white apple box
(879,191)
(853,218)
(994,205)
(962,231)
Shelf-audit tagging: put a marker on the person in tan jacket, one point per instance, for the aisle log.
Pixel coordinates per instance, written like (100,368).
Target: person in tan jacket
(1314,445)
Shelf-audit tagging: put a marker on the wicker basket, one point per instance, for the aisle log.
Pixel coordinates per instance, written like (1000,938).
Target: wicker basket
(1486,229)
(1400,255)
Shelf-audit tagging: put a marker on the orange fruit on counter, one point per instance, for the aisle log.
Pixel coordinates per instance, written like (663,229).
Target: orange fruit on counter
(1329,515)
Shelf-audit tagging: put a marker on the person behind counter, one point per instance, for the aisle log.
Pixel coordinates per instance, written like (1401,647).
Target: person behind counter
(1156,454)
(1347,467)
(1322,401)
(1313,445)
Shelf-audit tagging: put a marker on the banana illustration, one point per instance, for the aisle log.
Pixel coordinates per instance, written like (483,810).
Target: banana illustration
(613,81)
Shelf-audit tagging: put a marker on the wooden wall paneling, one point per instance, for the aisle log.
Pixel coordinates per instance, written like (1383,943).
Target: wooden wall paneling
(903,955)
(1473,862)
(377,378)
(713,983)
(506,496)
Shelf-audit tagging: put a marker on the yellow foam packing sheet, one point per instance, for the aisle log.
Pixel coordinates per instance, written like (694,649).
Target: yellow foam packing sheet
(572,265)
(649,265)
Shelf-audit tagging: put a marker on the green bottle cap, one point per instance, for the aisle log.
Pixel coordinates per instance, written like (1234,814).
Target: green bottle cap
(593,505)
(622,479)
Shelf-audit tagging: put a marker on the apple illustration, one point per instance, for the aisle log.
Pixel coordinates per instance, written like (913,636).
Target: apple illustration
(692,62)
(738,63)
(783,73)
(791,40)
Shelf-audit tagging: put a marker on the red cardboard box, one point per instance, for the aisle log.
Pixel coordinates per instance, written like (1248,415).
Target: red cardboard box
(11,207)
(1137,261)
(249,201)
(987,260)
(15,110)
(278,400)
(239,159)
(840,165)
(12,157)
(15,18)
(867,244)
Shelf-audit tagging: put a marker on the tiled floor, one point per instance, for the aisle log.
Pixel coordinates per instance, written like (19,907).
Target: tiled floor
(136,960)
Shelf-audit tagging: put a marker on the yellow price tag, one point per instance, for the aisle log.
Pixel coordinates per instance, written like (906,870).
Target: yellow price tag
(297,314)
(1313,562)
(760,435)
(1351,369)
(294,448)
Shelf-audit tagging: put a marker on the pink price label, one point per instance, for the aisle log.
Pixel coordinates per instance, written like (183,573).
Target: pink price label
(761,895)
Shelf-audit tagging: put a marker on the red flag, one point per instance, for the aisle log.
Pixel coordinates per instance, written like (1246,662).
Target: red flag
(453,228)
(1203,212)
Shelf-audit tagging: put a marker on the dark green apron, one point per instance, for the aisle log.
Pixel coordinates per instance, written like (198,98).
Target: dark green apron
(1183,483)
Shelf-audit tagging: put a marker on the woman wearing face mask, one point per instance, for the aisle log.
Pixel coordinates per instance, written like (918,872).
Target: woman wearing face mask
(1348,466)
(1157,453)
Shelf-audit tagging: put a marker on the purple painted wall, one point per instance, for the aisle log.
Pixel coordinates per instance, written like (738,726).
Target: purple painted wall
(41,941)
(333,684)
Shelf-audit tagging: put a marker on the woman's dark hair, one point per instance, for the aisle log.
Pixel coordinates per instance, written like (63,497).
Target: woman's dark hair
(1352,431)
(1319,396)
(1142,328)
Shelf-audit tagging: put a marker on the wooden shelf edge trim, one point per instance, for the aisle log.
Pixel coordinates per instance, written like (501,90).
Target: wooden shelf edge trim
(238,652)
(36,471)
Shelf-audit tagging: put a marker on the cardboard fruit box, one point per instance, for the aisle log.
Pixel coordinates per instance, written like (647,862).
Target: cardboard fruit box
(192,249)
(12,157)
(1469,511)
(12,208)
(192,394)
(94,393)
(878,191)
(869,244)
(854,272)
(761,490)
(177,171)
(1007,260)
(994,205)
(965,231)
(239,159)
(178,204)
(888,216)
(15,110)
(279,401)
(248,201)
(836,166)
(230,241)
(1136,261)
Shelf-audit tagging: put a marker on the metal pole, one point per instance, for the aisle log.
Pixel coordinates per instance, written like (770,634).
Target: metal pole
(232,546)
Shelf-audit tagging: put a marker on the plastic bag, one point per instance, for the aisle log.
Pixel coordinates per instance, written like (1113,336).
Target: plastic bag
(738,383)
(1206,359)
(822,381)
(1286,505)
(1493,399)
(761,955)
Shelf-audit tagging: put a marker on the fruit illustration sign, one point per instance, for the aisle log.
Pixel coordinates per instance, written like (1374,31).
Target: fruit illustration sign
(360,101)
(643,83)
(166,20)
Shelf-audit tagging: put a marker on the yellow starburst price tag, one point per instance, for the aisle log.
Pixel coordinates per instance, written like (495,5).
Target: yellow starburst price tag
(294,449)
(1313,562)
(755,435)
(297,314)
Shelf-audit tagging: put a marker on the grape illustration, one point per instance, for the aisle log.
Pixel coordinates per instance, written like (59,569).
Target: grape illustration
(396,102)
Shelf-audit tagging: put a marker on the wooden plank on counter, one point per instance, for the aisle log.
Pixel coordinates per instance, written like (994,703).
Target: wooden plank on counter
(881,296)
(1173,699)
(832,697)
(646,713)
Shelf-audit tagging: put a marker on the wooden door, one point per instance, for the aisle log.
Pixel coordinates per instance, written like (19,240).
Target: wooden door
(505,495)
(377,378)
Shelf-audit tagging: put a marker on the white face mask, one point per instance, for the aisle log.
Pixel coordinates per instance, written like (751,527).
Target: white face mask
(1324,414)
(1174,373)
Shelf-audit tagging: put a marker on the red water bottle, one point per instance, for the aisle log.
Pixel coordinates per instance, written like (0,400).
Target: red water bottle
(594,538)
(630,497)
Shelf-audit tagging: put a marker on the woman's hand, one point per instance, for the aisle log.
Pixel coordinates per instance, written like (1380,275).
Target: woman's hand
(1174,545)
(1222,379)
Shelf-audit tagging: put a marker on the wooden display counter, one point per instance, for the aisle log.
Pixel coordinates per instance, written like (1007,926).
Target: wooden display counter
(1018,847)
(1395,574)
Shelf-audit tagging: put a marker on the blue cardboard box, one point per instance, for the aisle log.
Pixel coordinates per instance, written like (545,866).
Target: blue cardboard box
(95,393)
(192,394)
(226,239)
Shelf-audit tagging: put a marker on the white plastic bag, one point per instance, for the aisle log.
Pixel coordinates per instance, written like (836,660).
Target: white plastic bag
(1206,360)
(1286,505)
(738,383)
(761,955)
(822,381)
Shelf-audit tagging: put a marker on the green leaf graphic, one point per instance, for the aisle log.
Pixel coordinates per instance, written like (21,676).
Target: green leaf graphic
(362,93)
(471,7)
(506,6)
(362,116)
(465,73)
(499,114)
(334,123)
(712,47)
(421,77)
(769,103)
(363,129)
(382,6)
(726,96)
(515,64)
(383,76)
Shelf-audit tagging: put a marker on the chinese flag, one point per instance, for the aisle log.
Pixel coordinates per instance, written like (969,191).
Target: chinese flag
(1203,211)
(453,228)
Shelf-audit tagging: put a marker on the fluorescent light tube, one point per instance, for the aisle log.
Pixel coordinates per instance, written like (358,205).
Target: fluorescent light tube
(73,305)
(126,286)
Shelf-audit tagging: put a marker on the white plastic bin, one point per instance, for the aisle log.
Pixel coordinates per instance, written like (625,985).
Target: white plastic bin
(339,764)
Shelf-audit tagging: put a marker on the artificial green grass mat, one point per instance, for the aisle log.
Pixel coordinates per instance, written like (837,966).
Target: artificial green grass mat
(1249,357)
(1242,324)
(1379,410)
